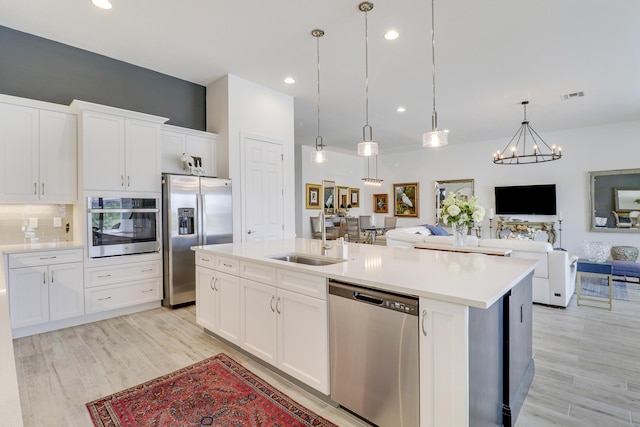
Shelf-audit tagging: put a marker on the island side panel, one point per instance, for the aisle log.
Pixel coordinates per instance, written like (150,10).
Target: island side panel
(518,349)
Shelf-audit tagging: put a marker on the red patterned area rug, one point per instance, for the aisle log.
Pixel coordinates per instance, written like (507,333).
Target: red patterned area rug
(215,392)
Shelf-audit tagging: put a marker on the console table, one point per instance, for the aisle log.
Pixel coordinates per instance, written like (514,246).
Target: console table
(524,227)
(598,269)
(466,249)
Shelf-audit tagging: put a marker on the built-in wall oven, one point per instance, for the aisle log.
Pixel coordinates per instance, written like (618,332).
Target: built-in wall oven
(123,226)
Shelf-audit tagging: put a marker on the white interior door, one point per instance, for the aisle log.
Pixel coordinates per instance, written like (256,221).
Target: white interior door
(262,189)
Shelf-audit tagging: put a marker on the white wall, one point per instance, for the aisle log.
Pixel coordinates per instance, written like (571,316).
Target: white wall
(345,169)
(587,149)
(238,107)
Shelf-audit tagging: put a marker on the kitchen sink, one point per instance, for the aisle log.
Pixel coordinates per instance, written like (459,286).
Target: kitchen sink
(307,259)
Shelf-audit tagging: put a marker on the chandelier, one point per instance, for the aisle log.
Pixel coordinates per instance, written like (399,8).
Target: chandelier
(319,155)
(515,153)
(435,138)
(367,147)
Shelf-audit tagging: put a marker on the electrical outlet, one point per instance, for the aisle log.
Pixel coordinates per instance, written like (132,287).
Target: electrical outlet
(57,222)
(33,222)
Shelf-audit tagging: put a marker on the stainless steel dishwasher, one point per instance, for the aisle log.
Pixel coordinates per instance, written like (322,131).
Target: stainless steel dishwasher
(374,354)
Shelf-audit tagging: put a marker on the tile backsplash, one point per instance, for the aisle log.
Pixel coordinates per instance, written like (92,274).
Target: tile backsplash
(16,224)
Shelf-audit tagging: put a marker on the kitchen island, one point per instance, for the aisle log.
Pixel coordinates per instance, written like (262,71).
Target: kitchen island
(475,345)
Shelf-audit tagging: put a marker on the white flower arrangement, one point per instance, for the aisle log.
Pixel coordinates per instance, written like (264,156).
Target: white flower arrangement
(461,212)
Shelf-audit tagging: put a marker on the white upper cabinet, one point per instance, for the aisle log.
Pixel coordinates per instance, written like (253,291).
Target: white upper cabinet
(38,154)
(177,140)
(121,149)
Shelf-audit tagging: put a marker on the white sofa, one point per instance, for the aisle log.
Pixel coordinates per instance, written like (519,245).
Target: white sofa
(554,279)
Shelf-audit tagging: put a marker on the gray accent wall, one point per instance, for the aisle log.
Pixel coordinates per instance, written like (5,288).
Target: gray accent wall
(37,68)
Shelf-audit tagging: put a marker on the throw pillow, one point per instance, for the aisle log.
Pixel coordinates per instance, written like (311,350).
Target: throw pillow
(436,230)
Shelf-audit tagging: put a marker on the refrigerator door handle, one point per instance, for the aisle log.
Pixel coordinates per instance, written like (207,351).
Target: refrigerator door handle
(203,216)
(198,220)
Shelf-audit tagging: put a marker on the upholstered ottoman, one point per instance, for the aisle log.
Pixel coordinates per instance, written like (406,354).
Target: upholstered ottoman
(626,269)
(624,253)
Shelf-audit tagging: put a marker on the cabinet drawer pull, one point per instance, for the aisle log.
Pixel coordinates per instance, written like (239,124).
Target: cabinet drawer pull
(227,265)
(205,259)
(424,319)
(147,291)
(103,276)
(48,257)
(102,299)
(146,271)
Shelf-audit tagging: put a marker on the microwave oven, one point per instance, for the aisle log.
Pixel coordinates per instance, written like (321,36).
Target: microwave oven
(122,226)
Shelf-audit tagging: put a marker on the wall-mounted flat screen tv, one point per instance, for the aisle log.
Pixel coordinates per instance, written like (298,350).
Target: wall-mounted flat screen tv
(526,200)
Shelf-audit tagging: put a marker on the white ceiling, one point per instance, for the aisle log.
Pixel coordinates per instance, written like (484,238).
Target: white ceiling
(490,56)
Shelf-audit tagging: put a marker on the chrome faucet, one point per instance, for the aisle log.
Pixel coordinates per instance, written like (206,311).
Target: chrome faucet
(323,230)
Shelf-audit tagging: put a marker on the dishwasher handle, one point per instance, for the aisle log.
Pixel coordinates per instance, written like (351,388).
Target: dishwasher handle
(367,298)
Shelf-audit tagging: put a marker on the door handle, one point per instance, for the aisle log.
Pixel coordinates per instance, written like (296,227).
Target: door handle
(35,188)
(128,181)
(43,189)
(271,303)
(277,303)
(44,278)
(121,180)
(51,276)
(211,285)
(424,319)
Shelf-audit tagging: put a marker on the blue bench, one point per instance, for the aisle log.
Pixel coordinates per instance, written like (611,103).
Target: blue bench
(626,269)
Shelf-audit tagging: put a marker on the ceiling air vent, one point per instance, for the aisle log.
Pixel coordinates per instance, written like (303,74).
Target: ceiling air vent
(572,95)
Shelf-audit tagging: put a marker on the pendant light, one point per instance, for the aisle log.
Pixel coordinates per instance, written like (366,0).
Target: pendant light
(435,138)
(515,153)
(374,182)
(319,155)
(367,147)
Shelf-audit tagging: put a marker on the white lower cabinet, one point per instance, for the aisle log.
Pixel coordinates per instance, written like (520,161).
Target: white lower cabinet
(122,285)
(218,303)
(444,392)
(287,329)
(44,287)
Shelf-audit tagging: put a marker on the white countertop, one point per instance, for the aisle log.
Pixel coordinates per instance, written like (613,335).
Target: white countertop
(44,246)
(475,280)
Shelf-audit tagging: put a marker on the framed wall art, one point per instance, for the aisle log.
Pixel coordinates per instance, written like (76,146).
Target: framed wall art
(380,203)
(354,196)
(406,199)
(313,196)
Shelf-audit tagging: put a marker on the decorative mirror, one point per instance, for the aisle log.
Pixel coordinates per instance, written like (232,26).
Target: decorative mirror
(463,188)
(615,200)
(329,196)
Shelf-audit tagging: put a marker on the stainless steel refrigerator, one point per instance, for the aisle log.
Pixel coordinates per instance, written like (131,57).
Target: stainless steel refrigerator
(195,211)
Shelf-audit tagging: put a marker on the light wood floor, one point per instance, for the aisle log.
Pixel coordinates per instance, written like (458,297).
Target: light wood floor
(587,365)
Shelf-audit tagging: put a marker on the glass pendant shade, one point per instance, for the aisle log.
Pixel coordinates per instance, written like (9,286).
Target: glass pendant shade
(367,148)
(435,138)
(318,156)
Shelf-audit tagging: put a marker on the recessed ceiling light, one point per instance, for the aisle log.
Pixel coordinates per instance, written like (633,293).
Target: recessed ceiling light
(401,109)
(289,80)
(391,35)
(102,4)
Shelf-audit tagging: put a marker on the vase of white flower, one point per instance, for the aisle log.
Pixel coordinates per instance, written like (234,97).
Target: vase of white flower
(459,234)
(461,214)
